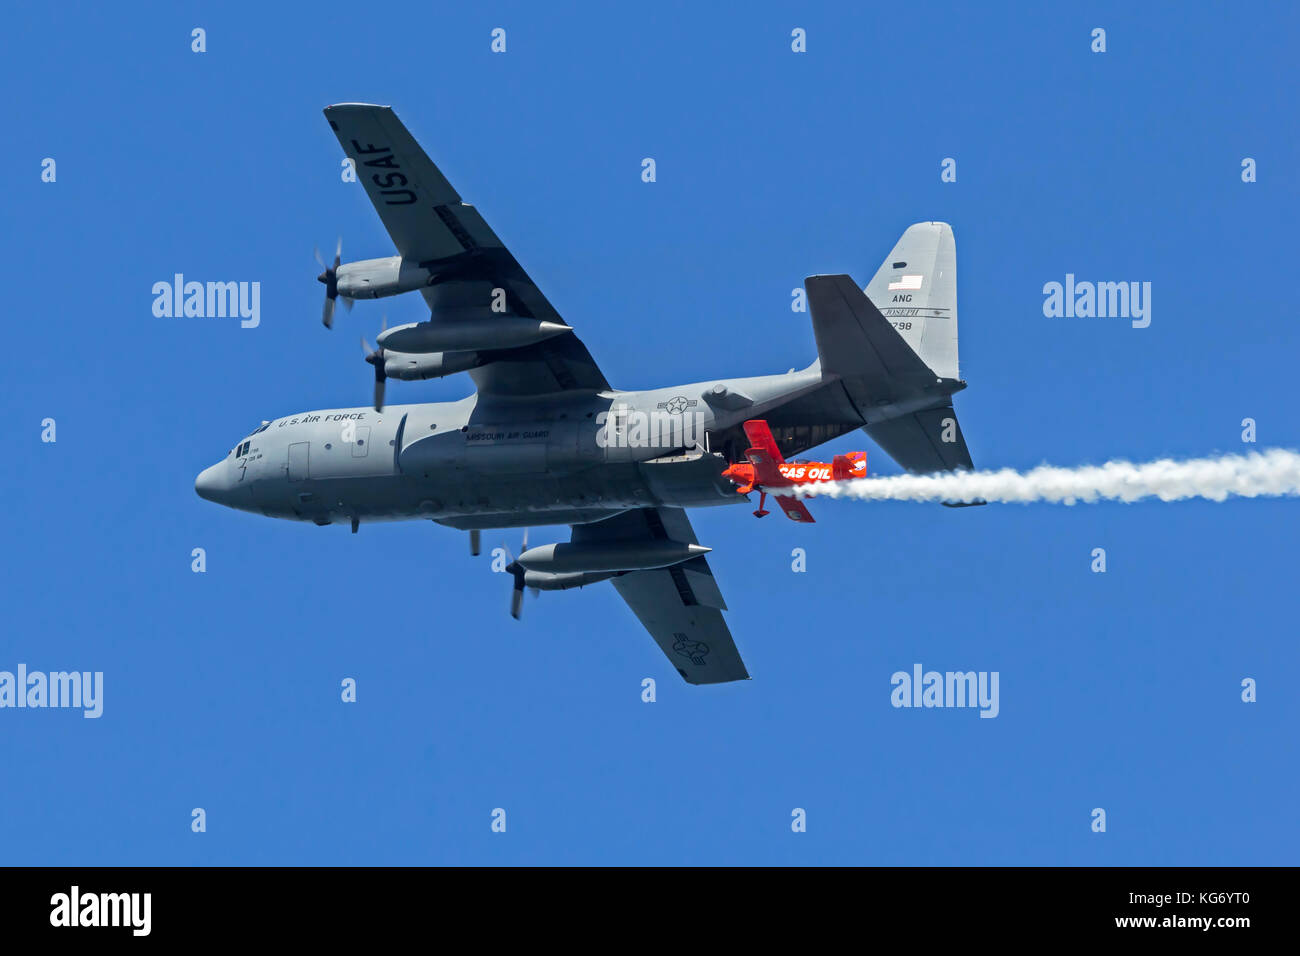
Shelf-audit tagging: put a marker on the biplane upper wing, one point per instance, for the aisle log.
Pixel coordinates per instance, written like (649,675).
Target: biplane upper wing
(764,455)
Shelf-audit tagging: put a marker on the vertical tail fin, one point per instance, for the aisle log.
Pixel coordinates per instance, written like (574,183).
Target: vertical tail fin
(852,465)
(893,347)
(916,290)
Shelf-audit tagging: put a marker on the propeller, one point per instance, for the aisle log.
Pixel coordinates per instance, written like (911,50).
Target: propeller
(375,357)
(331,279)
(516,570)
(475,542)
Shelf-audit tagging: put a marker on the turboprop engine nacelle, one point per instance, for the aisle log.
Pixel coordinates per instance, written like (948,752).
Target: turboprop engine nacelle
(545,581)
(411,366)
(377,278)
(476,332)
(608,556)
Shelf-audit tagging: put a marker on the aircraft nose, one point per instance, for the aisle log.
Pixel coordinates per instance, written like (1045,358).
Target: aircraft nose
(208,483)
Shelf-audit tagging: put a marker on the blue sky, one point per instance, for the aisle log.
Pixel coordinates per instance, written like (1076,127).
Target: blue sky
(1118,690)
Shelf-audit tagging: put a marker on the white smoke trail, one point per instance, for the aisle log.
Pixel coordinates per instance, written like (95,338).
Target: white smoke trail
(1272,473)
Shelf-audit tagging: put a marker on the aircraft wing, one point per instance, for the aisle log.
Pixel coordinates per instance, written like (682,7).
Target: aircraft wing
(795,509)
(760,436)
(680,606)
(431,225)
(765,456)
(766,472)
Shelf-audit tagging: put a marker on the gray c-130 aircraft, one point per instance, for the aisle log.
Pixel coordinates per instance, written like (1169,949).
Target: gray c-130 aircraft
(546,440)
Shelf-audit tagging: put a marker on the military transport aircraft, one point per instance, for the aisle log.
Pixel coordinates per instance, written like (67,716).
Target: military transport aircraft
(545,439)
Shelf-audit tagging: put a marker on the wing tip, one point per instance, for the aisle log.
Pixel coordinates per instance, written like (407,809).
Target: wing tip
(731,678)
(354,107)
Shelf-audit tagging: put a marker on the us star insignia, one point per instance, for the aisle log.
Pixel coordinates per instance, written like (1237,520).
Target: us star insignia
(678,404)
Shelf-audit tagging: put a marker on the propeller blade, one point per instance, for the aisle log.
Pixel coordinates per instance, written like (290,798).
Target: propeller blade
(475,542)
(517,570)
(348,303)
(330,277)
(517,591)
(376,358)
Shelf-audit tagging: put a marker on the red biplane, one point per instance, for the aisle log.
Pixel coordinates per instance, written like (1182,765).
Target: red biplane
(766,470)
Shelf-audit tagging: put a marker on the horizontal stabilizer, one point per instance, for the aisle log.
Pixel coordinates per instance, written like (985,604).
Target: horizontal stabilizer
(855,341)
(925,441)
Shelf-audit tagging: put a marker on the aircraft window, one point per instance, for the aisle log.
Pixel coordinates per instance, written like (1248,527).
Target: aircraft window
(899,265)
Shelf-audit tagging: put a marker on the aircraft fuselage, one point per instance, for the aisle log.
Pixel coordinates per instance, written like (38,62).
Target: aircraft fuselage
(499,462)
